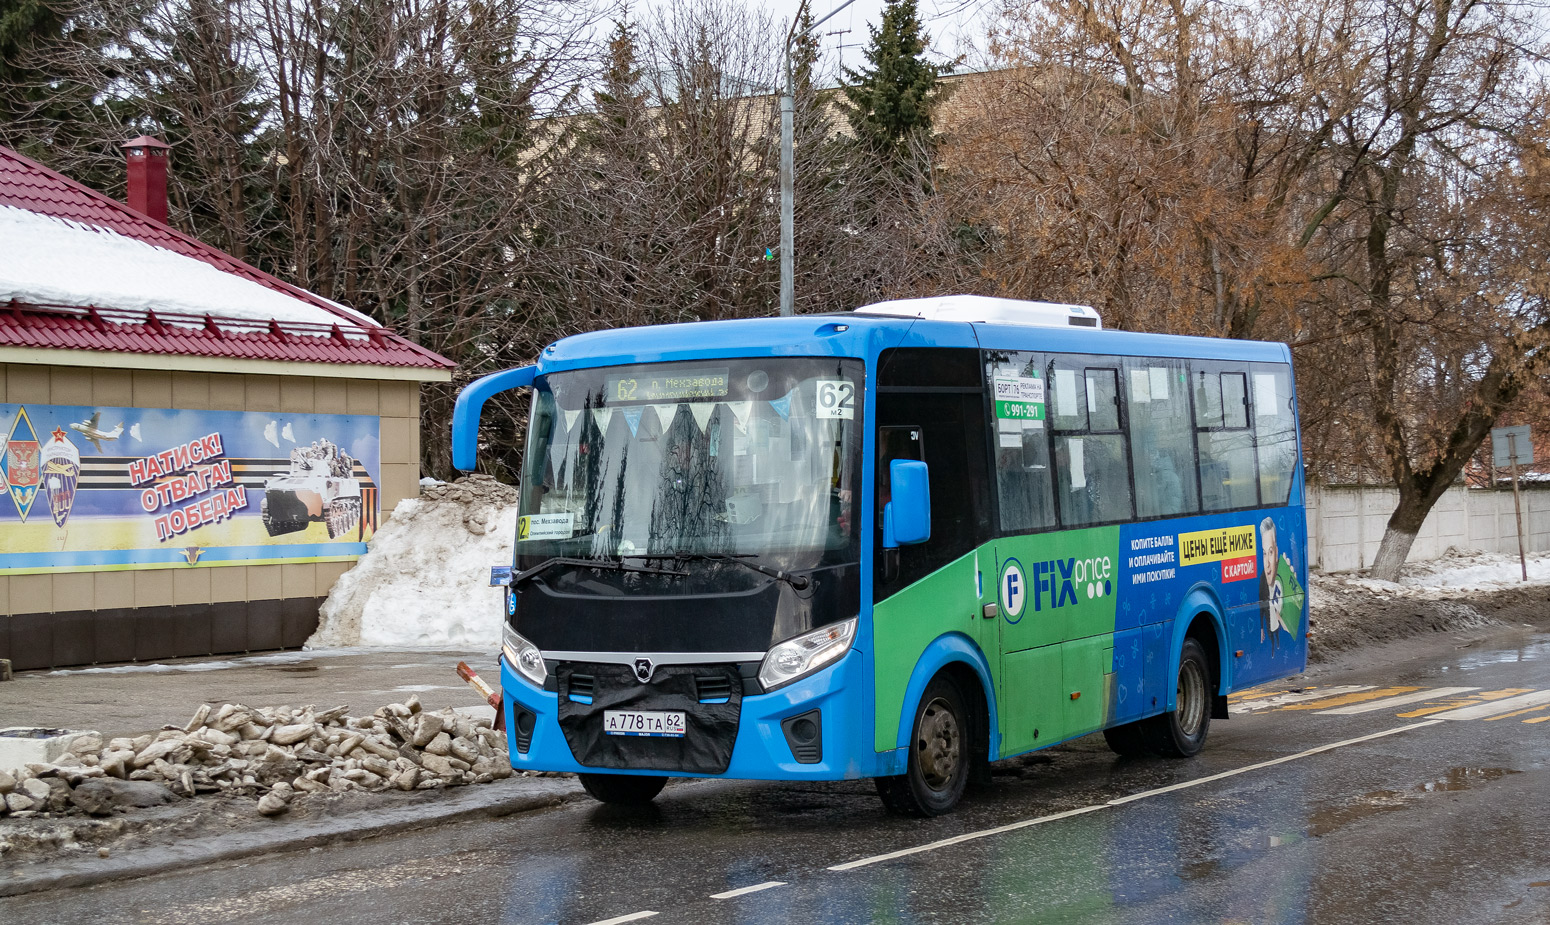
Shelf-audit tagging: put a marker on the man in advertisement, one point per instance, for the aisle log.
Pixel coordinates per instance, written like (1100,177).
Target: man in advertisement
(1280,595)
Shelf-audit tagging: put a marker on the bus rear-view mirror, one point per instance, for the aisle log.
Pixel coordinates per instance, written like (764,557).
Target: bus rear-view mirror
(907,516)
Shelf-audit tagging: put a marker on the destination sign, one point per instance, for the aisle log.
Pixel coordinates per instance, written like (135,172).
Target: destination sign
(675,386)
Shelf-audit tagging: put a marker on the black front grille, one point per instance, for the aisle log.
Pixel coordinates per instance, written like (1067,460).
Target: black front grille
(709,696)
(713,688)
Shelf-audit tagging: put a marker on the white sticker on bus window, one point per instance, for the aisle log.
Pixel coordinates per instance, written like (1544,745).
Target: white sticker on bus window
(1092,396)
(1159,376)
(1077,465)
(1065,392)
(836,400)
(702,410)
(1140,386)
(545,527)
(602,416)
(1265,395)
(570,418)
(1011,440)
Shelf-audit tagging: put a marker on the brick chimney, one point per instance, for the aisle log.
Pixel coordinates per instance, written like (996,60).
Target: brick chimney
(147,159)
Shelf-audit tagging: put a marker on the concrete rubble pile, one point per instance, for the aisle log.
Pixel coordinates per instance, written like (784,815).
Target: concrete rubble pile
(272,753)
(479,494)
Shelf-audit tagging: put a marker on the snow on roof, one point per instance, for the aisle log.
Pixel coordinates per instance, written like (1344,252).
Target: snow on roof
(54,261)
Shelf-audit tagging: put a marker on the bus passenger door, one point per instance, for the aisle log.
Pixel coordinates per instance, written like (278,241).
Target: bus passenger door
(1028,639)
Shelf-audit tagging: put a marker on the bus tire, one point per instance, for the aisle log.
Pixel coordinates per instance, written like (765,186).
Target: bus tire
(1129,740)
(1181,732)
(939,755)
(622,789)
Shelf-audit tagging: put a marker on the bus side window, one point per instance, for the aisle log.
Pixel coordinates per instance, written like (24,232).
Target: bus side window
(1162,449)
(1024,480)
(1229,474)
(938,393)
(896,442)
(1275,431)
(1092,459)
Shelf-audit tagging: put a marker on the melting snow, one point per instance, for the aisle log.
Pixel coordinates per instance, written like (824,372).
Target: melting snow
(1451,574)
(52,261)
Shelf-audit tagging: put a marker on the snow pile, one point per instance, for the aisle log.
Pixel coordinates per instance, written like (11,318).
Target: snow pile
(1446,577)
(51,261)
(425,578)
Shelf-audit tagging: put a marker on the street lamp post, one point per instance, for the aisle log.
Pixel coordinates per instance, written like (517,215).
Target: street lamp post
(788,164)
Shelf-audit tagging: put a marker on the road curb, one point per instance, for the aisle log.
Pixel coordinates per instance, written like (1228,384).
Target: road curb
(475,802)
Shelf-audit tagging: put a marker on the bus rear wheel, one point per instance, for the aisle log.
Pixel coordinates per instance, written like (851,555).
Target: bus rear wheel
(1181,733)
(622,789)
(939,755)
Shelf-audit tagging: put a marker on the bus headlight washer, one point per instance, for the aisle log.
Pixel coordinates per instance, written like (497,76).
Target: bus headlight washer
(802,655)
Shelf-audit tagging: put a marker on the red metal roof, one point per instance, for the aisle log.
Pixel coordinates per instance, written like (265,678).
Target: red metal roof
(26,184)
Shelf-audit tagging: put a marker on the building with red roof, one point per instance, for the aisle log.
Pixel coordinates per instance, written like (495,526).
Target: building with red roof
(192,450)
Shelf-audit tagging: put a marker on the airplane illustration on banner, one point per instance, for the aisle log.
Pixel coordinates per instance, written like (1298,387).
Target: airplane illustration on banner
(90,430)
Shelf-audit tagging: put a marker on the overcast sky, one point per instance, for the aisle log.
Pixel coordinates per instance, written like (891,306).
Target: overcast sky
(953,25)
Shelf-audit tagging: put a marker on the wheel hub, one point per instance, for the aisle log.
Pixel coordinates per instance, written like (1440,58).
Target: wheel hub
(939,744)
(1191,698)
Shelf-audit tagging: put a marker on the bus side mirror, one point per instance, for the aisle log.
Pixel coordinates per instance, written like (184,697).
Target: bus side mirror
(470,401)
(907,518)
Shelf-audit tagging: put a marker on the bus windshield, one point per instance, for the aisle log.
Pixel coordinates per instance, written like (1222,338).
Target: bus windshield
(756,458)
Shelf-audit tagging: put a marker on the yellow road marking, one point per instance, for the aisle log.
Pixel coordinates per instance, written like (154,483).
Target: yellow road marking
(1537,719)
(1262,690)
(1542,706)
(1471,700)
(1351,698)
(1440,707)
(1504,693)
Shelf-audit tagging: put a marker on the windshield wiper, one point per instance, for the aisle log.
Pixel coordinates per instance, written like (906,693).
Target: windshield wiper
(797,582)
(609,564)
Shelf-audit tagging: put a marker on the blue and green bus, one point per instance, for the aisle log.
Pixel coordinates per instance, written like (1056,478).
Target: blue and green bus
(899,543)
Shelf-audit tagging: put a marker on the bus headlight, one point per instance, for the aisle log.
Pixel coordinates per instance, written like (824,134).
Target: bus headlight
(523,655)
(802,655)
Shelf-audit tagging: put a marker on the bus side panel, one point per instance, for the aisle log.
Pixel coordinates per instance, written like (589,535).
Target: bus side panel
(1253,561)
(903,626)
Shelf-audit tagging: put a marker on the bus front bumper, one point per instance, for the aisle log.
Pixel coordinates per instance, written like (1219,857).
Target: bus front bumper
(760,751)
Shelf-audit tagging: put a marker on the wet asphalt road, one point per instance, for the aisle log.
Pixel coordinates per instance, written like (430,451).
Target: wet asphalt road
(1444,821)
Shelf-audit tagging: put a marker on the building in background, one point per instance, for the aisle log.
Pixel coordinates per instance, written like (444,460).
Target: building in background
(191,450)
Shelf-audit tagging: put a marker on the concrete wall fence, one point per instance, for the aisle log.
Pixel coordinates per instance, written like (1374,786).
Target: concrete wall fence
(1345,525)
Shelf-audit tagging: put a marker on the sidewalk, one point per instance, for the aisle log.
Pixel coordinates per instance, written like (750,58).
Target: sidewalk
(129,700)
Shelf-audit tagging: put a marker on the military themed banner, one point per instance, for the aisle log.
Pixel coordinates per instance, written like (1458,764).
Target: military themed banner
(103,488)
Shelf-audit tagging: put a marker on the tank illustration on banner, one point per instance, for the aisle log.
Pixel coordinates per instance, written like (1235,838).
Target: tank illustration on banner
(319,487)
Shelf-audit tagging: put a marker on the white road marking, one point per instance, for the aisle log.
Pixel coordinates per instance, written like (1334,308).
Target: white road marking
(1120,801)
(620,919)
(744,891)
(1372,706)
(1278,700)
(1479,711)
(959,839)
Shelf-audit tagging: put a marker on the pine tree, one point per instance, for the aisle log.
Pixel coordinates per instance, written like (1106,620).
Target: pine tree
(889,102)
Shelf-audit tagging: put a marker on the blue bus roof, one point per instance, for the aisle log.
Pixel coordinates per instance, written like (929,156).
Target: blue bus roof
(865,336)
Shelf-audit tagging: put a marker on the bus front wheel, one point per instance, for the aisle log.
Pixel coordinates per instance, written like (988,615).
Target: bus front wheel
(622,789)
(1181,733)
(939,755)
